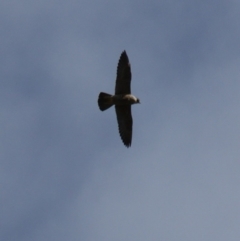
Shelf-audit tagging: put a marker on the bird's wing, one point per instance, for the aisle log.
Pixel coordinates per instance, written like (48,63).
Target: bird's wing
(125,122)
(123,81)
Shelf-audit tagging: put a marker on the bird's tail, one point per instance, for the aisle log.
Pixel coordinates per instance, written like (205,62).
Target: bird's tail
(104,101)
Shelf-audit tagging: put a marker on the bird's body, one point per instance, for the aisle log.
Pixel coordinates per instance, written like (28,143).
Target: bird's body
(123,99)
(106,99)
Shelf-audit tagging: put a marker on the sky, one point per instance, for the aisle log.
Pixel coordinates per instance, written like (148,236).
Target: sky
(64,172)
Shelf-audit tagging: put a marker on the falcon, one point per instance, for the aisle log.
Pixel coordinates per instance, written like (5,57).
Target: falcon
(122,99)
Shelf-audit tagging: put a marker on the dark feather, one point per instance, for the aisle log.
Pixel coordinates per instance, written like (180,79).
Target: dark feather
(123,81)
(104,101)
(125,122)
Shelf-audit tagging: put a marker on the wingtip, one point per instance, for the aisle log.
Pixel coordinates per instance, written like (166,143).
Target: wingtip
(124,58)
(124,52)
(127,145)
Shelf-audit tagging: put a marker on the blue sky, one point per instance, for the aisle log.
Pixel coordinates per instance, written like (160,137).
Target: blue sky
(64,172)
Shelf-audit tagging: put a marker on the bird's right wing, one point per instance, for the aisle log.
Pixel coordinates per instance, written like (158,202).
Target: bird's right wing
(123,81)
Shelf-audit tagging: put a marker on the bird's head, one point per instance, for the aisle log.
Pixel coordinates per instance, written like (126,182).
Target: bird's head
(133,99)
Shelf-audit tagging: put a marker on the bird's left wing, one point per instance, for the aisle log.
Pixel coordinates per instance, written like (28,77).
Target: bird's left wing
(125,122)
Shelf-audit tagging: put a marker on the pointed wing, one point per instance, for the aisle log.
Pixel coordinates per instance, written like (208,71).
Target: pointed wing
(125,122)
(123,81)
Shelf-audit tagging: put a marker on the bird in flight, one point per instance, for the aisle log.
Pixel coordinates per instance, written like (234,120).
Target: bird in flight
(122,99)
